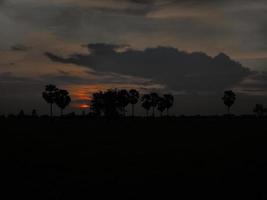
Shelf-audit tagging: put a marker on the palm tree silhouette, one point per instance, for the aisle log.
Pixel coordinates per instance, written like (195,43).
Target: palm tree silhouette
(97,103)
(49,96)
(124,100)
(112,106)
(162,105)
(146,102)
(62,100)
(133,97)
(229,99)
(21,114)
(169,102)
(154,102)
(34,113)
(109,103)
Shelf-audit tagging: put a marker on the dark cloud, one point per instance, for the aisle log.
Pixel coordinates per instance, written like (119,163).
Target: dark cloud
(255,84)
(142,1)
(258,64)
(173,1)
(194,72)
(192,26)
(257,80)
(20,47)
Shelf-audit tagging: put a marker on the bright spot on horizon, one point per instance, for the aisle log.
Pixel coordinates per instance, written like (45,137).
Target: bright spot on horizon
(84,106)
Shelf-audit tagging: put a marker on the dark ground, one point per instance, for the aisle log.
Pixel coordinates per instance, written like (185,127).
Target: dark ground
(182,158)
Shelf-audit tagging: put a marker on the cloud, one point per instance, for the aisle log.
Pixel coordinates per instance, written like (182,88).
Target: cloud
(210,26)
(258,64)
(20,47)
(255,84)
(192,72)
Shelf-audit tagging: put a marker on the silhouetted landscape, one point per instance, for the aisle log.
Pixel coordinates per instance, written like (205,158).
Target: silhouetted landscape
(133,99)
(107,154)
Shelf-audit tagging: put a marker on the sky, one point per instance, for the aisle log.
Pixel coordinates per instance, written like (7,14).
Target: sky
(193,49)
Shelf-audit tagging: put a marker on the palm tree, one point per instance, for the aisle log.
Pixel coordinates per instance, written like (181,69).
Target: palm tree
(97,103)
(123,98)
(34,113)
(49,96)
(146,103)
(112,105)
(259,110)
(108,103)
(229,99)
(62,100)
(133,97)
(21,114)
(162,105)
(169,102)
(154,102)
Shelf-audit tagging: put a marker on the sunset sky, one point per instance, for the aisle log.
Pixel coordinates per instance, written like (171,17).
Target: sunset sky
(90,45)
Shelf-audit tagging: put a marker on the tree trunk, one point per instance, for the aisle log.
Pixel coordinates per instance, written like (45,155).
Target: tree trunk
(153,112)
(132,110)
(167,112)
(61,112)
(124,112)
(228,110)
(51,110)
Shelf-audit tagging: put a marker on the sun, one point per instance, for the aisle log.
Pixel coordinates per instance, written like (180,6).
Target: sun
(84,106)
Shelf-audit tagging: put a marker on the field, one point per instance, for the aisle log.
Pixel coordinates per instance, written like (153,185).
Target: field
(172,158)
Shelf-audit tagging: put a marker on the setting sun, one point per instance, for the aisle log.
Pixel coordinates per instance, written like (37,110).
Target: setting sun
(84,106)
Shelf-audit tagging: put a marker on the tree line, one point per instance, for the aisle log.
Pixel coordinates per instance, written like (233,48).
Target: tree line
(53,95)
(114,102)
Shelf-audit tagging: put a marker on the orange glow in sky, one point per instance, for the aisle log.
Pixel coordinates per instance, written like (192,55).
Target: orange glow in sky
(83,106)
(81,94)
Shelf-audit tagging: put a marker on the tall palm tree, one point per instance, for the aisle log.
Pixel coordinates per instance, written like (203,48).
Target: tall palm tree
(133,97)
(34,113)
(62,100)
(21,114)
(154,102)
(49,96)
(146,103)
(169,101)
(123,99)
(229,99)
(97,103)
(162,105)
(108,103)
(112,105)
